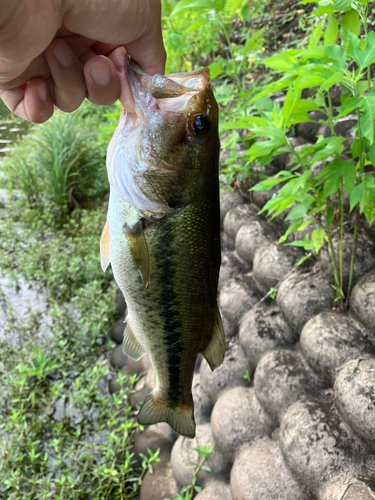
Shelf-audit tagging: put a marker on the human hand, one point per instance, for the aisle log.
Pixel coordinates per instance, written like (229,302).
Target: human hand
(57,52)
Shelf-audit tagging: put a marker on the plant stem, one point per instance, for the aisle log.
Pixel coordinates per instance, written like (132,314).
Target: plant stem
(296,154)
(330,114)
(334,263)
(351,272)
(341,242)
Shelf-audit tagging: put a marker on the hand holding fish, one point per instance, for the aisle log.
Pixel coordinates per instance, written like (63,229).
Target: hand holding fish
(56,53)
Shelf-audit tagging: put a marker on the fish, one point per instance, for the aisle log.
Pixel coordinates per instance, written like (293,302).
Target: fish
(162,235)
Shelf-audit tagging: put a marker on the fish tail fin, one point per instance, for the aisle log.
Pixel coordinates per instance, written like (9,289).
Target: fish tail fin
(180,418)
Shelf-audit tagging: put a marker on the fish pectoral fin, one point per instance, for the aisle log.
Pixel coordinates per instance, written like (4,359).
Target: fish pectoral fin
(130,345)
(138,249)
(180,418)
(104,247)
(215,351)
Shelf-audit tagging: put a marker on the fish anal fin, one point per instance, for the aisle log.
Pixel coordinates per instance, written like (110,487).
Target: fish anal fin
(104,247)
(138,249)
(215,351)
(180,418)
(130,345)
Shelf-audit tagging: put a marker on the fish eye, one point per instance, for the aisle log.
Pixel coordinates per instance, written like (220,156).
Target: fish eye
(200,124)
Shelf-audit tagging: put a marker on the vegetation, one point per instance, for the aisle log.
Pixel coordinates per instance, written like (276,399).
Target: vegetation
(61,434)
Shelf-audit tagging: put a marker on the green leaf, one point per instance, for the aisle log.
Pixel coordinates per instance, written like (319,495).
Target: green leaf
(337,54)
(198,5)
(331,32)
(333,80)
(349,174)
(290,101)
(252,42)
(367,118)
(308,81)
(280,62)
(167,8)
(351,21)
(372,154)
(299,211)
(357,195)
(318,237)
(216,69)
(362,56)
(316,36)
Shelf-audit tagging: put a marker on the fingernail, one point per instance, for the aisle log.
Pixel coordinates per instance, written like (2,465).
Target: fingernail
(101,74)
(42,92)
(62,55)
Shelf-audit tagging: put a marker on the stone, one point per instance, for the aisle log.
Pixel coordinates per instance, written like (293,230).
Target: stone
(251,237)
(316,443)
(347,486)
(331,339)
(263,329)
(202,403)
(302,295)
(227,243)
(139,367)
(308,131)
(229,374)
(118,359)
(260,198)
(237,420)
(159,485)
(155,436)
(217,490)
(120,303)
(142,388)
(230,329)
(355,397)
(117,331)
(231,266)
(260,473)
(272,263)
(237,296)
(114,386)
(343,126)
(237,217)
(362,301)
(281,378)
(364,261)
(229,200)
(184,455)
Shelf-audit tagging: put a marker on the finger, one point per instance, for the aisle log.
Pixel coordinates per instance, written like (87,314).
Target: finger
(126,96)
(32,102)
(69,89)
(102,81)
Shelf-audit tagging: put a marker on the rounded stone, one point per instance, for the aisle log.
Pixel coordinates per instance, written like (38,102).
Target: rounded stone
(237,296)
(362,301)
(260,198)
(117,331)
(303,295)
(231,266)
(120,303)
(348,486)
(263,329)
(252,236)
(114,386)
(227,243)
(184,455)
(202,403)
(217,490)
(364,261)
(281,378)
(142,388)
(158,436)
(118,359)
(331,339)
(229,200)
(260,473)
(272,263)
(229,374)
(139,367)
(159,485)
(237,217)
(355,397)
(316,443)
(237,420)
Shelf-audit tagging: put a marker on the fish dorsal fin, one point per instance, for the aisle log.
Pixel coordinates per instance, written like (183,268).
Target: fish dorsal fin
(130,345)
(104,247)
(138,249)
(215,351)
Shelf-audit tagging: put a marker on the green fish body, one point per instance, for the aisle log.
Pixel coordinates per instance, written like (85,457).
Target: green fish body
(163,242)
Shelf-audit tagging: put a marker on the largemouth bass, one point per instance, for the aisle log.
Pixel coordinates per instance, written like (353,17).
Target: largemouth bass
(162,235)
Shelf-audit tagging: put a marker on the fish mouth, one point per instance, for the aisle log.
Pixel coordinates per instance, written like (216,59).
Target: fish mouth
(166,93)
